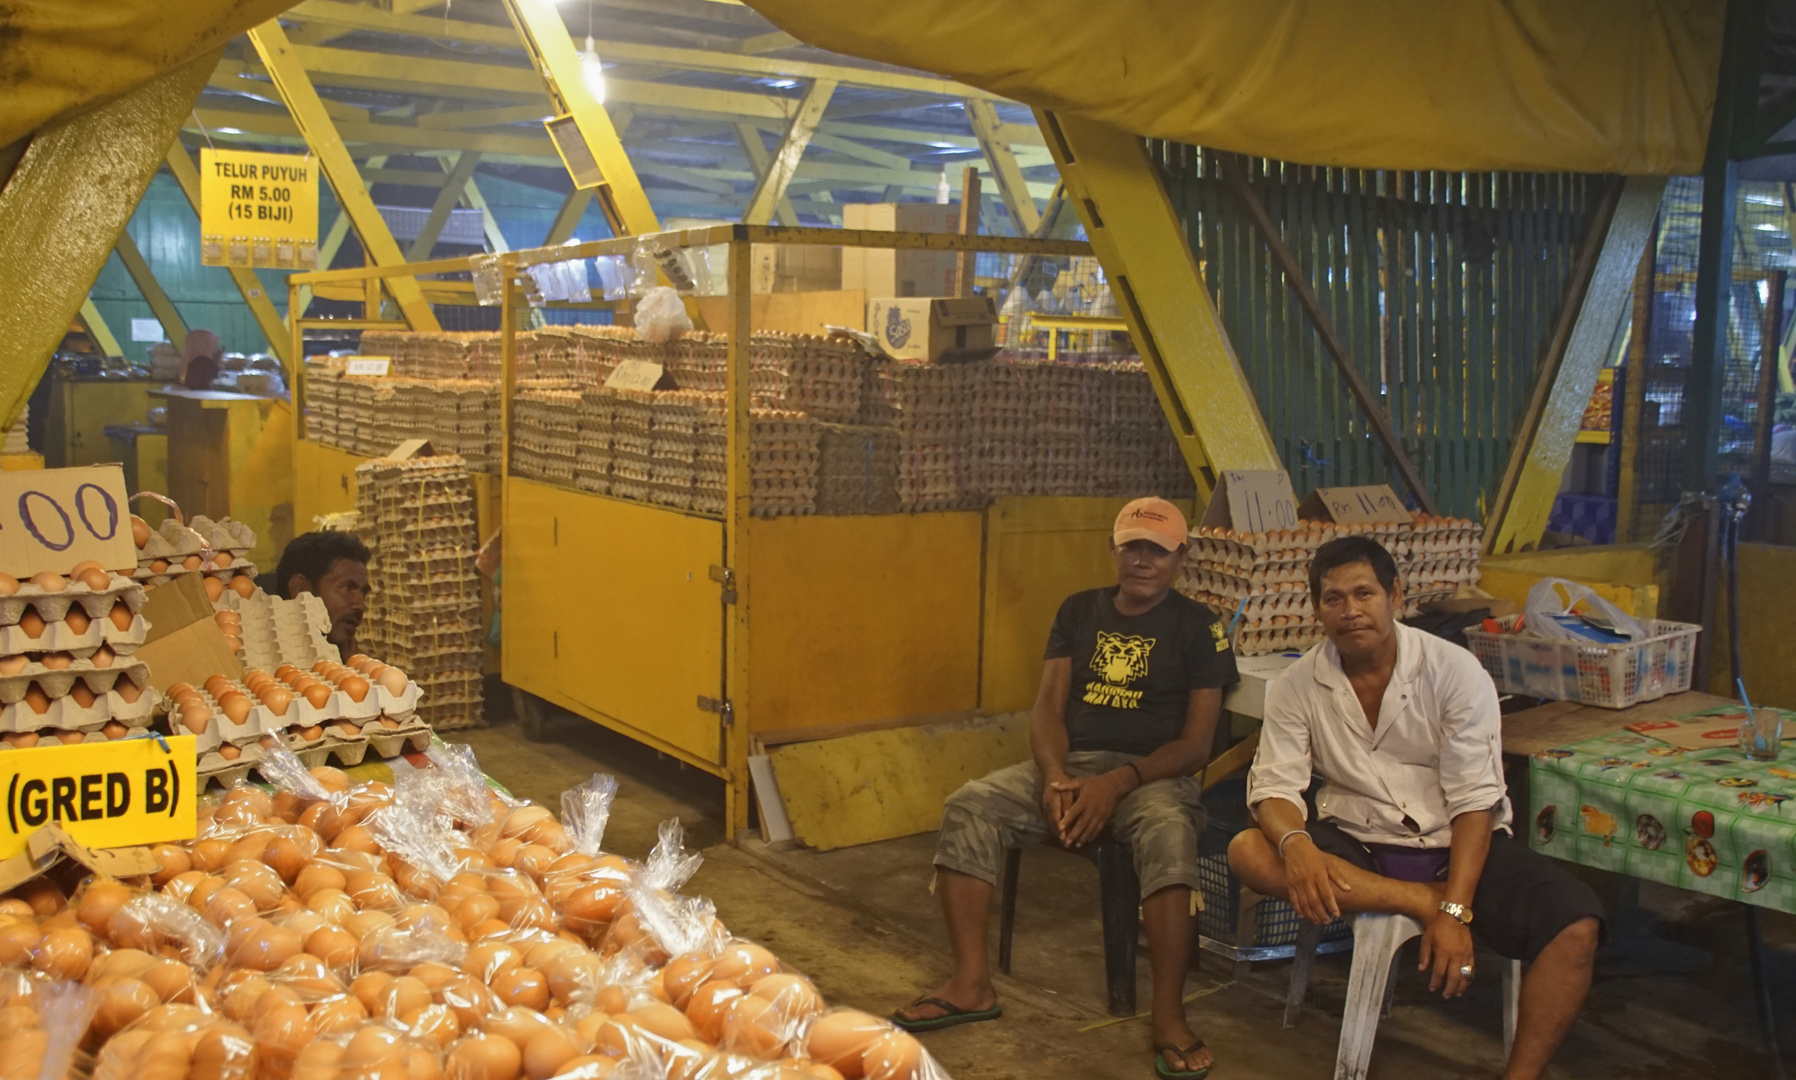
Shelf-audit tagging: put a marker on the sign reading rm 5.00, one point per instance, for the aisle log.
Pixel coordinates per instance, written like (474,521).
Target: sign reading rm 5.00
(53,519)
(258,209)
(106,794)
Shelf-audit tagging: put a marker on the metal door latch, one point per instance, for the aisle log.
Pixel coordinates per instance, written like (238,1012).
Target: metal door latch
(720,706)
(726,577)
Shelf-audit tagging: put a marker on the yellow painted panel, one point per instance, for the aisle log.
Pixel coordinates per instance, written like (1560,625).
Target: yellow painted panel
(634,622)
(152,475)
(20,462)
(882,784)
(80,409)
(323,482)
(861,618)
(1039,551)
(1767,628)
(1633,564)
(262,475)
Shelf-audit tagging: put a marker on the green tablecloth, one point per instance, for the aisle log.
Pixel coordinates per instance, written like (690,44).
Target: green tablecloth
(1707,820)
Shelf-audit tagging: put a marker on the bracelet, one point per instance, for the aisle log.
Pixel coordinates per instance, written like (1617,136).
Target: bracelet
(1287,836)
(1139,779)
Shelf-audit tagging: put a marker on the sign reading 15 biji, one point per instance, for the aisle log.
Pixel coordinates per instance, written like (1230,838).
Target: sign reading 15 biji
(105,794)
(258,210)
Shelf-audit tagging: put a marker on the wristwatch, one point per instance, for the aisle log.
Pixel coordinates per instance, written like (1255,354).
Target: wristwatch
(1460,912)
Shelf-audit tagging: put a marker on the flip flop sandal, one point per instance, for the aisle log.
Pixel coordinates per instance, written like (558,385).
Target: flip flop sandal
(1166,1072)
(952,1016)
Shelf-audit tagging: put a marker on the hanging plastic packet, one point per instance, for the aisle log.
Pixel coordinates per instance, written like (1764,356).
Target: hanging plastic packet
(614,276)
(644,269)
(489,284)
(669,865)
(697,264)
(547,278)
(661,316)
(585,809)
(575,285)
(467,798)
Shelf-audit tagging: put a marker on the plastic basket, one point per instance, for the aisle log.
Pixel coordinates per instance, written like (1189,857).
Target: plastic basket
(1218,924)
(1610,676)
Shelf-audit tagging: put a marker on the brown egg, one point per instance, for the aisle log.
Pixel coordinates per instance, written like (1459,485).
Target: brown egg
(127,690)
(31,623)
(683,975)
(229,752)
(56,661)
(214,589)
(243,585)
(158,566)
(49,581)
(82,696)
(895,1055)
(333,904)
(12,665)
(121,616)
(69,738)
(355,686)
(363,923)
(221,559)
(522,986)
(285,858)
(172,861)
(222,1052)
(64,954)
(484,1057)
(76,619)
(316,876)
(281,1033)
(103,657)
(277,699)
(17,941)
(338,1015)
(316,694)
(99,902)
(308,975)
(192,562)
(547,1052)
(434,1025)
(403,996)
(95,578)
(140,531)
(709,1004)
(38,701)
(838,1039)
(170,979)
(265,946)
(743,963)
(333,945)
(8,584)
(196,718)
(121,1001)
(20,740)
(235,706)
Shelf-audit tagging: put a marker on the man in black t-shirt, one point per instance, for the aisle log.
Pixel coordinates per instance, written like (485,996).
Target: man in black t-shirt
(1124,718)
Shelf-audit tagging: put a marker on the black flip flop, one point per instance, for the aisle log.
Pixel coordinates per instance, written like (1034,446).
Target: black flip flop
(952,1016)
(1166,1072)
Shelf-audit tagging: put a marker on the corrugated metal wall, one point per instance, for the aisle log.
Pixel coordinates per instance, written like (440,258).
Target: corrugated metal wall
(1444,287)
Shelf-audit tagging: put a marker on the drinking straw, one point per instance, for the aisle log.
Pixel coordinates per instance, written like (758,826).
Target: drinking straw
(1758,737)
(1236,621)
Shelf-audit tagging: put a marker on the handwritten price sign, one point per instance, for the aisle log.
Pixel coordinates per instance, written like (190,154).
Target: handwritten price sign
(1252,501)
(1372,505)
(54,518)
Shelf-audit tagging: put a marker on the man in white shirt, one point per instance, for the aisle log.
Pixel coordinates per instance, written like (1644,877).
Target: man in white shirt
(1411,816)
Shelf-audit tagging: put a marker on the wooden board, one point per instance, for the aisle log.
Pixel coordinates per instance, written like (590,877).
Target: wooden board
(1561,723)
(794,313)
(885,784)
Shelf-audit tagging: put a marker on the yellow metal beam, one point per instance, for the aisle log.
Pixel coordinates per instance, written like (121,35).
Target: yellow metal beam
(269,122)
(766,43)
(625,204)
(328,246)
(459,175)
(567,218)
(749,135)
(153,293)
(268,320)
(474,118)
(1543,448)
(495,239)
(1137,235)
(95,325)
(64,207)
(321,135)
(1012,187)
(770,189)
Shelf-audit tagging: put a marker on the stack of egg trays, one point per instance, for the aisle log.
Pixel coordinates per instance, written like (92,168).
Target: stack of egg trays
(65,714)
(857,469)
(362,715)
(221,731)
(592,465)
(805,373)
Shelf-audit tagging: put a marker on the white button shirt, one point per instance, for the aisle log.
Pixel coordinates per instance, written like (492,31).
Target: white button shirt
(1436,753)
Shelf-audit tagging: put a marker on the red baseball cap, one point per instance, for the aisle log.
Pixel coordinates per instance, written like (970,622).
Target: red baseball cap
(1151,519)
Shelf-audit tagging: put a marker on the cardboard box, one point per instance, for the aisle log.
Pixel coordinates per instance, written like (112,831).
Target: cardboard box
(790,268)
(886,272)
(184,643)
(926,330)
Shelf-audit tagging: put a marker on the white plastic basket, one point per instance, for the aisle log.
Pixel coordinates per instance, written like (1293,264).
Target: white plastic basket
(1610,676)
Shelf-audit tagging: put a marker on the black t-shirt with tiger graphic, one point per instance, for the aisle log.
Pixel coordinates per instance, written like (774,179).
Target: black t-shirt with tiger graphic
(1133,675)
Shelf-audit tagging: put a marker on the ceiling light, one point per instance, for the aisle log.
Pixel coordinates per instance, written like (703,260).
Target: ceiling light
(593,72)
(1764,226)
(782,84)
(228,131)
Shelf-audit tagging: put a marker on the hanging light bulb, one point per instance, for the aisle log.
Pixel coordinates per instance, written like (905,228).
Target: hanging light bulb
(593,72)
(942,190)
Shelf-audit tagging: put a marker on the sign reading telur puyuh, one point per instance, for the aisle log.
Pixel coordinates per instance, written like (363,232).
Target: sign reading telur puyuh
(258,210)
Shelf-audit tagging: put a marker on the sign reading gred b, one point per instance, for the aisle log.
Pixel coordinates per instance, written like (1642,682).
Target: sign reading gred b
(105,794)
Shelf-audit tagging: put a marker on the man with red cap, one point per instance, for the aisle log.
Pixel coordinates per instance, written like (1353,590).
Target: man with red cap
(1129,700)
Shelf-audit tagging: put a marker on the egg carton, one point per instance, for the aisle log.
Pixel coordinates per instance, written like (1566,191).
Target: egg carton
(330,746)
(57,682)
(414,735)
(47,736)
(66,714)
(54,606)
(58,637)
(226,534)
(227,774)
(170,540)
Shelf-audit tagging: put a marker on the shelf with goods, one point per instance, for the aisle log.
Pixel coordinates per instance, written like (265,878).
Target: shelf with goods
(845,501)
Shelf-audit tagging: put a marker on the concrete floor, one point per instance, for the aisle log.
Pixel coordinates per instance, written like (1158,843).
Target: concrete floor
(1672,995)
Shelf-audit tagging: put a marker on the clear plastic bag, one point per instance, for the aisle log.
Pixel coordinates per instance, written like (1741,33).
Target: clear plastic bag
(660,316)
(46,1023)
(585,810)
(152,920)
(615,276)
(859,1045)
(489,285)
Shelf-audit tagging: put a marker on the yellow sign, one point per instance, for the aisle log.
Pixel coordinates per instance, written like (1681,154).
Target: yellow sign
(258,210)
(106,794)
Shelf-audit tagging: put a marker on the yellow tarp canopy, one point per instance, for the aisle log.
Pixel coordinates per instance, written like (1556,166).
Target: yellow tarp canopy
(59,56)
(1612,86)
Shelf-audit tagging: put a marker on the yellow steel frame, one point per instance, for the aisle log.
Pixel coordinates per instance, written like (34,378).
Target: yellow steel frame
(320,132)
(546,39)
(1012,187)
(153,292)
(1158,288)
(95,325)
(461,174)
(776,175)
(736,723)
(254,295)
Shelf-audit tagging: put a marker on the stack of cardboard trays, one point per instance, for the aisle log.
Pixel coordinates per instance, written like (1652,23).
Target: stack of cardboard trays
(417,517)
(67,673)
(857,469)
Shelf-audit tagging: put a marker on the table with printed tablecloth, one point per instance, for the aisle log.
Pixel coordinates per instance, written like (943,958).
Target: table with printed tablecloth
(1706,819)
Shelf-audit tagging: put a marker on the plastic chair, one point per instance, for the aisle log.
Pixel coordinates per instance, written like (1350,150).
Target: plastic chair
(1376,941)
(1119,905)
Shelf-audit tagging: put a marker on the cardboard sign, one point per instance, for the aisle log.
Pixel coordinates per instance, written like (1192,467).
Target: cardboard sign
(635,375)
(1375,504)
(367,365)
(51,519)
(258,209)
(1252,501)
(184,643)
(411,448)
(52,844)
(104,794)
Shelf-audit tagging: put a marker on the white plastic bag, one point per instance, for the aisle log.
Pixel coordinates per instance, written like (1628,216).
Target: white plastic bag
(1554,597)
(661,316)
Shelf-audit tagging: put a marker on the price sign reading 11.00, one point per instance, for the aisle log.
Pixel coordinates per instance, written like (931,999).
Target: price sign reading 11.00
(258,210)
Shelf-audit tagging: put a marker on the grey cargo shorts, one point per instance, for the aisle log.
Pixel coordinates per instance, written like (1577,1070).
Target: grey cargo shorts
(1160,821)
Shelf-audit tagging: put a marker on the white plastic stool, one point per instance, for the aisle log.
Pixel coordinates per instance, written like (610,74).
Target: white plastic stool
(1376,940)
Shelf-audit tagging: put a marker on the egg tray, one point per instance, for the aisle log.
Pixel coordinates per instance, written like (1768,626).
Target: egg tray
(170,540)
(54,607)
(226,534)
(398,742)
(328,747)
(57,637)
(65,715)
(228,774)
(91,734)
(57,682)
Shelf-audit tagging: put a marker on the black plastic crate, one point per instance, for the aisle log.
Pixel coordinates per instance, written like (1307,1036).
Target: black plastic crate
(1277,921)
